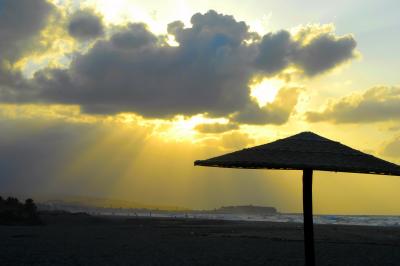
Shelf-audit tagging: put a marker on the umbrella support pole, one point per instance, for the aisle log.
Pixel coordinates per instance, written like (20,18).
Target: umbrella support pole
(308,218)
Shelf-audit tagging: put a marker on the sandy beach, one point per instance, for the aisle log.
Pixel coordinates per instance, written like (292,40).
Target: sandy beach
(86,240)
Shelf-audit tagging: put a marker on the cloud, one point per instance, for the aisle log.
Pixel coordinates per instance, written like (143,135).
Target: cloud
(277,112)
(216,127)
(314,49)
(377,104)
(275,52)
(134,37)
(236,140)
(136,71)
(12,85)
(394,128)
(20,23)
(85,25)
(324,53)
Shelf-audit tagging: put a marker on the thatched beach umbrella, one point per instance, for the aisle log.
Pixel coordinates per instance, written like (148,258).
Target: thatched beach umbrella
(305,151)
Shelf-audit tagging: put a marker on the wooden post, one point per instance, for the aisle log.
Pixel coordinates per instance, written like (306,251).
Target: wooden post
(308,218)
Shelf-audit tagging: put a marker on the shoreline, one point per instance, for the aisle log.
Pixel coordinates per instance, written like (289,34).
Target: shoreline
(362,220)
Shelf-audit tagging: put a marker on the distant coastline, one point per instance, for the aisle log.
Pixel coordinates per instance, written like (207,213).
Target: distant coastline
(103,206)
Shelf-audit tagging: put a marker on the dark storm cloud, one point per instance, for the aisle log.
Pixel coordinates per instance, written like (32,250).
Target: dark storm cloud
(324,53)
(20,22)
(14,87)
(136,71)
(216,127)
(375,105)
(275,52)
(85,25)
(134,37)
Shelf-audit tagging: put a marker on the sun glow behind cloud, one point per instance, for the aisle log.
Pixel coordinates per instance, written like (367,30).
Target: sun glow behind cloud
(182,129)
(117,11)
(120,12)
(265,91)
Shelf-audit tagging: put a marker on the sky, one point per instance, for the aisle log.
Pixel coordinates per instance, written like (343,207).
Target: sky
(117,99)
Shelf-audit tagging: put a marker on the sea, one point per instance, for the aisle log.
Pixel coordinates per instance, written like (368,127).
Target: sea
(365,220)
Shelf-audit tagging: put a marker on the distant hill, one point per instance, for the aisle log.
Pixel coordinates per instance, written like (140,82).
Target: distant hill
(103,205)
(88,202)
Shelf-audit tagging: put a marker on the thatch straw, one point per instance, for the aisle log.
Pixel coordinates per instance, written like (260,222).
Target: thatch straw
(305,150)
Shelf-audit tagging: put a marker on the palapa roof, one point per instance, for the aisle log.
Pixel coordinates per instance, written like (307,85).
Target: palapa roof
(305,150)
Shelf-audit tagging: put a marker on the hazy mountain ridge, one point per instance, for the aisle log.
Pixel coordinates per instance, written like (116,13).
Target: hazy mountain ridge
(89,202)
(123,207)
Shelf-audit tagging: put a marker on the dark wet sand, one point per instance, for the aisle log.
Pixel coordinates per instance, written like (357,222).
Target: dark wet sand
(83,240)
